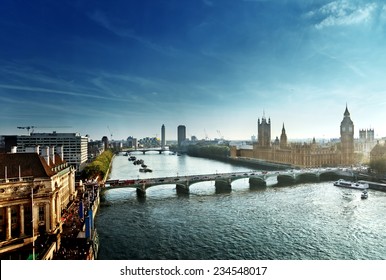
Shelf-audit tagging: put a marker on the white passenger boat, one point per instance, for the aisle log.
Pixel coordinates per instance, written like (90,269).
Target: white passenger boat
(352,185)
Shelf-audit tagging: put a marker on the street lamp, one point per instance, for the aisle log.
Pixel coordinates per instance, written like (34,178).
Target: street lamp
(33,229)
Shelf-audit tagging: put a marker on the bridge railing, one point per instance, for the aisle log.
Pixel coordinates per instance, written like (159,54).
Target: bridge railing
(214,176)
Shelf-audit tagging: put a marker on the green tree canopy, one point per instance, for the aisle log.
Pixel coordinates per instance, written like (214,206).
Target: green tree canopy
(378,165)
(99,167)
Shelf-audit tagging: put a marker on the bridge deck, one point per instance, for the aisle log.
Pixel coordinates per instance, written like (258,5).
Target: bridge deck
(189,179)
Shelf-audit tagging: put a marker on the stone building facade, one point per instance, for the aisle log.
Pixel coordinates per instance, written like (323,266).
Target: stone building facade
(301,154)
(365,144)
(34,189)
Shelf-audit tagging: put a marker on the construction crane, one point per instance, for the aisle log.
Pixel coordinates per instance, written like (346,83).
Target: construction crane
(27,127)
(33,127)
(111,135)
(219,134)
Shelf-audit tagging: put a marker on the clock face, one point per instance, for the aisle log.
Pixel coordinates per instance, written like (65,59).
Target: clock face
(350,128)
(343,128)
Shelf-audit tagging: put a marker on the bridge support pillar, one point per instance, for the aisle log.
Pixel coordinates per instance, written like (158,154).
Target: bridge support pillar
(222,186)
(257,183)
(182,189)
(141,192)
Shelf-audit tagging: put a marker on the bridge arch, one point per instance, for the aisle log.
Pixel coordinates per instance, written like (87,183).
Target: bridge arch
(223,181)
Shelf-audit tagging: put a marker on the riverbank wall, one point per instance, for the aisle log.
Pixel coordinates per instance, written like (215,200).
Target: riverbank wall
(107,175)
(249,162)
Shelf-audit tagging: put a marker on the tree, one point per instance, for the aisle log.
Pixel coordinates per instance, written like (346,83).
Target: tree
(378,165)
(99,167)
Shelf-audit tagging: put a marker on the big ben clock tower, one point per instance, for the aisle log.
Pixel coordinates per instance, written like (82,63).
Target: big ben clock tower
(347,139)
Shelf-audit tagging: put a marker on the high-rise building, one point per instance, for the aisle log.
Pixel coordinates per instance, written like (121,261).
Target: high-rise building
(105,141)
(181,133)
(75,146)
(163,140)
(132,142)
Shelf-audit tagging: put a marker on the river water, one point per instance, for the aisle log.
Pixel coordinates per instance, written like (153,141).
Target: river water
(313,221)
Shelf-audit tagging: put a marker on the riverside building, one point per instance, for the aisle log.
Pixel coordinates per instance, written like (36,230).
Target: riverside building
(75,146)
(34,190)
(300,154)
(181,135)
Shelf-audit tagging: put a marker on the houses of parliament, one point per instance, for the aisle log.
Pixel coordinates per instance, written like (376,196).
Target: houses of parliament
(303,155)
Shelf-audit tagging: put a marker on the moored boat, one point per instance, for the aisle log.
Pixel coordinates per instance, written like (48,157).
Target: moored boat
(351,185)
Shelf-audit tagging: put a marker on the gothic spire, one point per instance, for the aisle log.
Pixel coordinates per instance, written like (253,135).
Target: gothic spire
(346,112)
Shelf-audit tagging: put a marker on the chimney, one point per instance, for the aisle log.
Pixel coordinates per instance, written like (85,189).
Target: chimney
(32,149)
(13,150)
(46,154)
(59,151)
(52,154)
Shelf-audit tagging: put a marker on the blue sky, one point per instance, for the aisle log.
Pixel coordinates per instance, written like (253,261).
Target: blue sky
(128,67)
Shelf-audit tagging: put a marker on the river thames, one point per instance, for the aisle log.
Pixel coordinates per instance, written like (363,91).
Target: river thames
(313,221)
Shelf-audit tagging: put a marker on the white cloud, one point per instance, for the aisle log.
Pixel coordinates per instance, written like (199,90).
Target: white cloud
(383,14)
(55,91)
(343,13)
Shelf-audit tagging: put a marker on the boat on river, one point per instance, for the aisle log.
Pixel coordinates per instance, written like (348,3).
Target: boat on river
(145,170)
(352,185)
(364,194)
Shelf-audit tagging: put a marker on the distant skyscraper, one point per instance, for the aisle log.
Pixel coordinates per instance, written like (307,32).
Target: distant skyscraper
(163,141)
(181,132)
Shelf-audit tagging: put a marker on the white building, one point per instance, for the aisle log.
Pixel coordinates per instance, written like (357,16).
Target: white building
(75,146)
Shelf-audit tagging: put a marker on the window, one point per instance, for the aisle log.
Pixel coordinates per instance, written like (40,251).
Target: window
(41,213)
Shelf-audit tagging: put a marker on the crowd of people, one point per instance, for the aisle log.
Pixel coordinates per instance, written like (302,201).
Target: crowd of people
(75,243)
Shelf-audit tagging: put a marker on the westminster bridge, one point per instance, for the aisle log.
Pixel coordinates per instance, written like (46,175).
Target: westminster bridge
(223,181)
(145,150)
